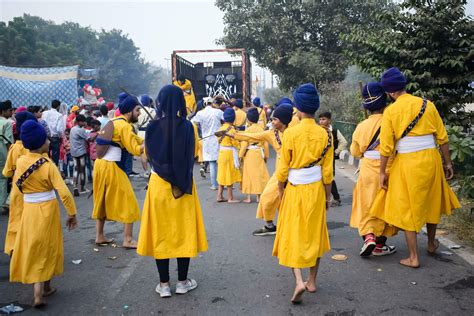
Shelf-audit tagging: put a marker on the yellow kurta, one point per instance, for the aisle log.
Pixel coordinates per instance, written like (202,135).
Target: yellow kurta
(254,172)
(114,199)
(240,117)
(368,182)
(198,147)
(188,95)
(38,250)
(227,174)
(294,120)
(418,192)
(269,199)
(16,198)
(262,118)
(302,236)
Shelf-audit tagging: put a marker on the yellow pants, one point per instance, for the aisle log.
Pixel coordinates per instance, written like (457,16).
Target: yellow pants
(269,200)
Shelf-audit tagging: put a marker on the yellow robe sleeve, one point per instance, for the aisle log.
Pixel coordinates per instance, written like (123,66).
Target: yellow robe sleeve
(387,136)
(327,166)
(355,146)
(131,141)
(63,191)
(261,136)
(243,148)
(440,134)
(285,158)
(196,141)
(10,164)
(266,151)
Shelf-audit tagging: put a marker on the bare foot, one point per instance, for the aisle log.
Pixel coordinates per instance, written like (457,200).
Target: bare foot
(247,201)
(233,201)
(104,242)
(410,263)
(433,247)
(38,302)
(298,294)
(221,199)
(310,287)
(48,291)
(132,244)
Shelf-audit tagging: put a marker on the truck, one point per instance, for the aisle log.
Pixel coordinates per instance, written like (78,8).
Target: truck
(213,78)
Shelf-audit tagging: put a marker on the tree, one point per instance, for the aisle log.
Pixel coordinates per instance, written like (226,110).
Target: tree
(431,42)
(297,40)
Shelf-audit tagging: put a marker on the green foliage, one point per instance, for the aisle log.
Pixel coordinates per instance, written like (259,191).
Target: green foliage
(273,95)
(431,42)
(342,100)
(297,40)
(461,146)
(34,42)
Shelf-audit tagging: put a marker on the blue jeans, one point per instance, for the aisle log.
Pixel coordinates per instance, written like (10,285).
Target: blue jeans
(213,170)
(68,166)
(129,165)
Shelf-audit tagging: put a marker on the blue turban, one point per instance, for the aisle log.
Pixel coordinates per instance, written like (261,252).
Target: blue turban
(393,80)
(284,112)
(306,98)
(239,103)
(257,102)
(285,100)
(374,96)
(229,115)
(146,100)
(22,117)
(33,135)
(122,96)
(252,115)
(128,104)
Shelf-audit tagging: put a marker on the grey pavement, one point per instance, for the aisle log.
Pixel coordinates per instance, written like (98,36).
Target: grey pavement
(238,275)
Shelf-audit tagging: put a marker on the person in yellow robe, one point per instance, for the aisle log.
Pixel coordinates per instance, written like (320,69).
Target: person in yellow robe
(270,198)
(417,191)
(253,156)
(228,166)
(262,115)
(304,180)
(114,199)
(38,250)
(186,86)
(240,115)
(16,197)
(172,224)
(365,143)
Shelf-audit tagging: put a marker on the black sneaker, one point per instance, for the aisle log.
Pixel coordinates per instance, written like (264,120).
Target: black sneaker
(203,172)
(76,192)
(265,231)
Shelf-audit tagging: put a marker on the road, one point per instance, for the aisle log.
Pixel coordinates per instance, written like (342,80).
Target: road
(238,275)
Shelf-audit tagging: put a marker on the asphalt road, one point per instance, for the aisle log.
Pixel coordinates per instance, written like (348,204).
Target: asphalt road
(238,275)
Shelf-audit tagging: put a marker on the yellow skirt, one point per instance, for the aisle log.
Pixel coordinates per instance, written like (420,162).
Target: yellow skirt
(227,174)
(200,155)
(363,196)
(14,219)
(38,250)
(302,235)
(170,228)
(418,192)
(269,200)
(114,199)
(255,174)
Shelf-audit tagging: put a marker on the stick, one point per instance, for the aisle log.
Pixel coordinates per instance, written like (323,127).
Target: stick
(366,115)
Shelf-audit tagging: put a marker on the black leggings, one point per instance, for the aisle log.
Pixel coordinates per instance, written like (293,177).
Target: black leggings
(163,266)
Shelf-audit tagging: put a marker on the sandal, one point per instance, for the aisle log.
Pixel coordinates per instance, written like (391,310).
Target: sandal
(105,243)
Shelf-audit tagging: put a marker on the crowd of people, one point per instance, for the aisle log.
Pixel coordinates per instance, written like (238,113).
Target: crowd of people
(402,183)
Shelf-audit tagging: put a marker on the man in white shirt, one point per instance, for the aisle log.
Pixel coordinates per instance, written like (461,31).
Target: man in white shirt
(55,122)
(104,118)
(209,119)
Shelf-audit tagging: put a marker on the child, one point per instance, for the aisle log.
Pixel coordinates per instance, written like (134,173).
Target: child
(254,155)
(38,250)
(228,167)
(95,125)
(67,164)
(304,180)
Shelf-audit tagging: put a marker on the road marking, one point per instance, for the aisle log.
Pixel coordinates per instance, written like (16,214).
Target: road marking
(123,277)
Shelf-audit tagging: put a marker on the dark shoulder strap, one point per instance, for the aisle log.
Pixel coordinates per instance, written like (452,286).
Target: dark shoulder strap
(325,150)
(374,142)
(416,119)
(277,137)
(29,171)
(227,129)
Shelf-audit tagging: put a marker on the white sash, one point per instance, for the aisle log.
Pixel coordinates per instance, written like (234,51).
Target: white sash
(411,144)
(305,175)
(113,154)
(372,154)
(250,147)
(235,155)
(39,197)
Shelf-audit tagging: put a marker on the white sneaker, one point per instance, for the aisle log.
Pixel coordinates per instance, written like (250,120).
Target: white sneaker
(185,287)
(164,291)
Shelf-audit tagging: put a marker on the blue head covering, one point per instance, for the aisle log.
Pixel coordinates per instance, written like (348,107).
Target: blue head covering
(306,98)
(128,104)
(169,141)
(145,100)
(284,112)
(252,115)
(229,115)
(33,135)
(257,102)
(374,96)
(393,80)
(122,96)
(22,117)
(284,100)
(239,103)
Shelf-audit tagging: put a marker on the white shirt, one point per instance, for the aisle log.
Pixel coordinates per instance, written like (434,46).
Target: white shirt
(210,121)
(55,122)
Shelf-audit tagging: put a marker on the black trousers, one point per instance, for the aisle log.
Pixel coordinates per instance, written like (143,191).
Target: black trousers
(334,192)
(54,146)
(163,266)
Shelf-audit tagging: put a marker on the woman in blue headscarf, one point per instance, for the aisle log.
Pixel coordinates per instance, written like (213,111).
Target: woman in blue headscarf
(172,224)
